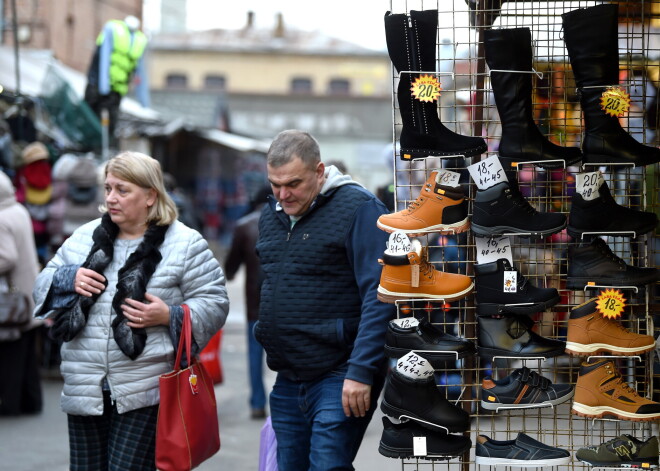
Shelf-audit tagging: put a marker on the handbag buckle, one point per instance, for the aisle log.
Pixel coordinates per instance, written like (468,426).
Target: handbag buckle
(194,386)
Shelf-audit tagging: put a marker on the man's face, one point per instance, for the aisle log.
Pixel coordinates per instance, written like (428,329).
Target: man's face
(295,186)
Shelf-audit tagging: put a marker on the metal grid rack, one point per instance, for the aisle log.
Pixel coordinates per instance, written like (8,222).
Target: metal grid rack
(467,107)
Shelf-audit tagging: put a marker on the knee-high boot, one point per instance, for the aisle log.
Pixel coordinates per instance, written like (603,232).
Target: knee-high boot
(411,43)
(591,37)
(511,50)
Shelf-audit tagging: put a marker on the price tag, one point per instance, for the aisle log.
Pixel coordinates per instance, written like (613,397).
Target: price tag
(491,250)
(510,281)
(611,303)
(615,101)
(405,322)
(448,178)
(398,244)
(588,183)
(488,172)
(419,446)
(426,88)
(414,366)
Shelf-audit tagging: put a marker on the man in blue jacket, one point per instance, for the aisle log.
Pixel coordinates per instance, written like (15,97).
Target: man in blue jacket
(320,322)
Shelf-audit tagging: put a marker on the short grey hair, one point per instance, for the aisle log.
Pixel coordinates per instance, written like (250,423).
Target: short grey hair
(293,143)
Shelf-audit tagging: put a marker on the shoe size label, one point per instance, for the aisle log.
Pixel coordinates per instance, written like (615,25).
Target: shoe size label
(398,244)
(492,249)
(488,172)
(588,183)
(419,446)
(414,366)
(510,281)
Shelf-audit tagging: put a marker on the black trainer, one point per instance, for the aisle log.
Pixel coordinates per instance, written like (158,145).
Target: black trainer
(497,293)
(502,209)
(397,441)
(523,389)
(624,451)
(421,400)
(595,264)
(603,215)
(524,451)
(511,336)
(420,336)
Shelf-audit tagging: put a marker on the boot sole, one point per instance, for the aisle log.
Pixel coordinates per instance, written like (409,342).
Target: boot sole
(484,231)
(409,153)
(501,406)
(445,229)
(433,356)
(485,352)
(543,462)
(400,414)
(581,282)
(580,349)
(597,412)
(609,159)
(492,309)
(392,297)
(577,233)
(640,463)
(392,452)
(550,164)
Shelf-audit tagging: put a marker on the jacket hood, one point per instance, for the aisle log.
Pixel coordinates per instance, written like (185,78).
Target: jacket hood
(7,194)
(334,179)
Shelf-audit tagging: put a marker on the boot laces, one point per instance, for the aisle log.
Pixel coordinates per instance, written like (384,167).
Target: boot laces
(519,200)
(426,268)
(605,250)
(619,381)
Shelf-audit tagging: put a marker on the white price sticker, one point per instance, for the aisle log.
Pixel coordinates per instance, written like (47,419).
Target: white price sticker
(488,172)
(448,178)
(419,446)
(492,249)
(398,244)
(414,366)
(405,322)
(588,183)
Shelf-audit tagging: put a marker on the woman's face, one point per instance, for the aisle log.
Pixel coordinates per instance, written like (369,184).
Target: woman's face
(128,204)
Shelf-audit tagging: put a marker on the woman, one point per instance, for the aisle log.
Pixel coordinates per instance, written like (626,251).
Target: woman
(115,289)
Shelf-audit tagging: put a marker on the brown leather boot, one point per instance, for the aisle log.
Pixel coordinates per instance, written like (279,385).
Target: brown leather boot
(438,208)
(411,276)
(601,391)
(589,332)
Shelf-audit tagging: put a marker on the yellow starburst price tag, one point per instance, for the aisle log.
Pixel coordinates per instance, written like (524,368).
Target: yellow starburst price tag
(611,303)
(615,101)
(426,88)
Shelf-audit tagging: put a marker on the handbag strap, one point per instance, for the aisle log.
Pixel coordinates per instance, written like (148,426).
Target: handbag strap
(185,339)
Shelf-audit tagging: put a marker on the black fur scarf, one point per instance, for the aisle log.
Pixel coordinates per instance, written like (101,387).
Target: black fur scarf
(132,283)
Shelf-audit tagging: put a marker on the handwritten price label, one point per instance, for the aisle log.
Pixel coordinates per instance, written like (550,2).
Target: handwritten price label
(491,250)
(488,172)
(588,183)
(448,178)
(398,243)
(405,322)
(414,366)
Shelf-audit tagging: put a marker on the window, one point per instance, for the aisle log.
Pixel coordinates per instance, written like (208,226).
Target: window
(339,87)
(176,81)
(214,82)
(301,86)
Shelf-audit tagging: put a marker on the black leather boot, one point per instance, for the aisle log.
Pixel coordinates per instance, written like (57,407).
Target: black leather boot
(591,37)
(411,44)
(522,141)
(512,336)
(420,400)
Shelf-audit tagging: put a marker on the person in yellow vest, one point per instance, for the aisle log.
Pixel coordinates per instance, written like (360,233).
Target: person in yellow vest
(119,57)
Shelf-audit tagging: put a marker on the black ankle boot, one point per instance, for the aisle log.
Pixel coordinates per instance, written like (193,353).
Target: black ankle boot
(511,336)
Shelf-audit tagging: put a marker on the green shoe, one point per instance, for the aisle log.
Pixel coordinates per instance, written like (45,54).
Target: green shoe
(624,451)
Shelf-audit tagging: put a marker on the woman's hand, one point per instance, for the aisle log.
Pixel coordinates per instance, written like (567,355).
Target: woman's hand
(148,314)
(88,282)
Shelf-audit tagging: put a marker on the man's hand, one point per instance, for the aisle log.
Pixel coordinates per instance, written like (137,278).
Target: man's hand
(355,398)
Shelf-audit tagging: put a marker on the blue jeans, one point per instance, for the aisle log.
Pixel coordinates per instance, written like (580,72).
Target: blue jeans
(256,367)
(310,426)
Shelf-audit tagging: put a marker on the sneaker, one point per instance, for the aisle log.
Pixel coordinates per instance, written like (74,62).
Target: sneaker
(600,391)
(412,276)
(511,336)
(494,296)
(523,452)
(624,451)
(522,389)
(438,208)
(420,336)
(590,333)
(595,264)
(397,442)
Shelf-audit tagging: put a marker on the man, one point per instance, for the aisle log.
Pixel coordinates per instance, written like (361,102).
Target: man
(320,322)
(118,57)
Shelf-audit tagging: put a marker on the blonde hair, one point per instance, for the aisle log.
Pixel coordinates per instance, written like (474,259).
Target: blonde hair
(145,172)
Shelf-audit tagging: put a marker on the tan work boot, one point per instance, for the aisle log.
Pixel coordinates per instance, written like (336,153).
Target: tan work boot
(411,276)
(589,332)
(601,391)
(438,208)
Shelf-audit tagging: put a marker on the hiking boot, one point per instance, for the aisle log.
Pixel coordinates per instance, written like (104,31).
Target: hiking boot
(590,333)
(502,209)
(438,208)
(511,336)
(600,391)
(501,289)
(412,276)
(421,400)
(603,215)
(522,389)
(624,451)
(420,336)
(397,441)
(595,264)
(523,451)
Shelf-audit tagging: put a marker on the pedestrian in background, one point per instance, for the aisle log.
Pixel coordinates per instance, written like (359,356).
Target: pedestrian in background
(20,386)
(115,289)
(320,322)
(243,252)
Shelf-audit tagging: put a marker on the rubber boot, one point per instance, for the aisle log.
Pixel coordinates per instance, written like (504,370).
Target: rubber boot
(591,37)
(411,44)
(522,141)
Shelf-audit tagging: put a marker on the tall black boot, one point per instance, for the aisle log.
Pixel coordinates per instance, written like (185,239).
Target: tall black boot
(591,37)
(411,43)
(511,49)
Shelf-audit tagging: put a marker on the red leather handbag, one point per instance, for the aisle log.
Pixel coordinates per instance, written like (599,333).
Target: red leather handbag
(187,432)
